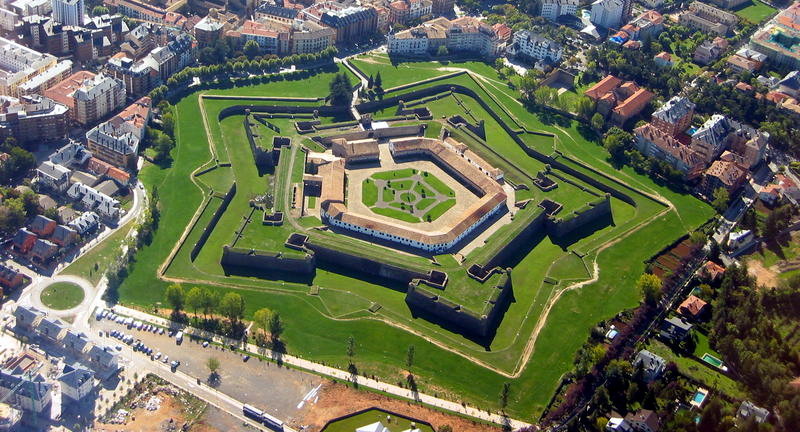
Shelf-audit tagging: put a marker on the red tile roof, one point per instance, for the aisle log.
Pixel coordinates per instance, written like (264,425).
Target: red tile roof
(692,306)
(610,82)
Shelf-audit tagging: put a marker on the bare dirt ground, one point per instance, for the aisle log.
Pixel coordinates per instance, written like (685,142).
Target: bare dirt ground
(169,413)
(767,277)
(338,399)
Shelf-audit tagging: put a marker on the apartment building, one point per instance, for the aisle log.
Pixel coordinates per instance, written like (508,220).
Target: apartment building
(674,117)
(465,34)
(779,39)
(352,23)
(536,47)
(653,142)
(19,65)
(208,30)
(552,9)
(92,96)
(442,7)
(308,37)
(25,8)
(710,50)
(138,10)
(32,118)
(707,18)
(647,26)
(68,12)
(117,140)
(610,13)
(8,19)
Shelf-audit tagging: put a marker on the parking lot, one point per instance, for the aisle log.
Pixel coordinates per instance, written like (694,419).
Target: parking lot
(274,389)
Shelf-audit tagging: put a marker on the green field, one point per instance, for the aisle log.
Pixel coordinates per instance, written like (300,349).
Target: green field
(755,11)
(62,295)
(456,367)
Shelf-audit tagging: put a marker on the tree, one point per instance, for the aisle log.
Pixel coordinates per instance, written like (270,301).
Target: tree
(276,327)
(598,121)
(650,287)
(442,51)
(261,319)
(504,393)
(698,238)
(99,10)
(232,307)
(212,363)
(175,297)
(585,108)
(210,301)
(370,81)
(777,221)
(721,198)
(341,90)
(617,141)
(194,299)
(351,348)
(378,80)
(251,49)
(410,356)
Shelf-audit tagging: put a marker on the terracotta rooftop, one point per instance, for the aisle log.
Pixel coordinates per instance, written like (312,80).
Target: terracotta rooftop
(692,306)
(634,104)
(62,92)
(610,82)
(729,173)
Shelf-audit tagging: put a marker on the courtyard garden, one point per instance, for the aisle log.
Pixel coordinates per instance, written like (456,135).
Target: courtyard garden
(408,195)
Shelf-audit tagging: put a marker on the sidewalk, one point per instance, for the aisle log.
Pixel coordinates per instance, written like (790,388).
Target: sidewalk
(331,372)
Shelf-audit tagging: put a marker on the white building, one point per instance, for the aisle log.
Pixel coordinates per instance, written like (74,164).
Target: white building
(68,12)
(419,8)
(610,13)
(19,64)
(76,381)
(32,393)
(94,200)
(31,7)
(97,97)
(535,46)
(7,19)
(465,34)
(552,9)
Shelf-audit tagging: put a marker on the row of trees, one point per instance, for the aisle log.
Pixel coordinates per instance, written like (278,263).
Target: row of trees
(203,300)
(19,161)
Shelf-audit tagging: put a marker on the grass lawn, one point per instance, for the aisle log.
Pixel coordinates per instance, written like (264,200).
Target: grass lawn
(695,369)
(447,372)
(62,295)
(396,424)
(437,184)
(755,11)
(438,210)
(94,263)
(369,192)
(312,202)
(394,174)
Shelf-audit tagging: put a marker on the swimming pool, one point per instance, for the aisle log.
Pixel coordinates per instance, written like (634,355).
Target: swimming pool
(699,397)
(713,361)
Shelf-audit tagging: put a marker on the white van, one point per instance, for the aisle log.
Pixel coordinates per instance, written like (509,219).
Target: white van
(179,337)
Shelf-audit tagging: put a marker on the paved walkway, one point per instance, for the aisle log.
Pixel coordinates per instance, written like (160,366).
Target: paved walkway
(331,372)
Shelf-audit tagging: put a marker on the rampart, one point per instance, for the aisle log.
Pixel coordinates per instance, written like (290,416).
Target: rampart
(420,298)
(209,228)
(303,263)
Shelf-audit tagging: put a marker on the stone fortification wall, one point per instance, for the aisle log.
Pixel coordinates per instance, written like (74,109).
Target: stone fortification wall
(303,263)
(420,298)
